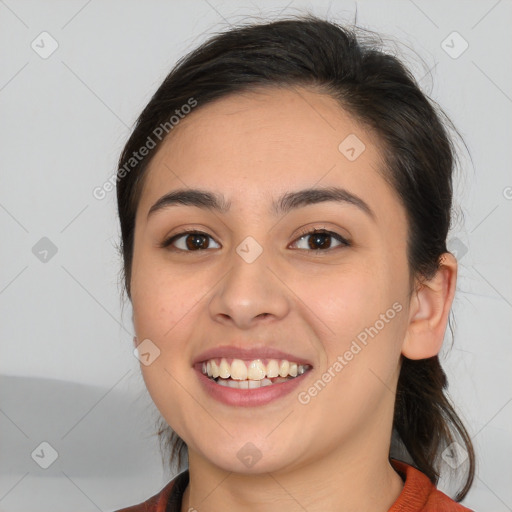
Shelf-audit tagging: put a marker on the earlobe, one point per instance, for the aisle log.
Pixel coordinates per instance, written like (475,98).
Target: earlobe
(429,310)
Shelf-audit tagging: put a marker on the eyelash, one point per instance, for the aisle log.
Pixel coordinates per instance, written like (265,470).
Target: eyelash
(345,243)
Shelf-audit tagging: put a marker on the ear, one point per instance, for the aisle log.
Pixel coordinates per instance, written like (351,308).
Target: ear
(428,312)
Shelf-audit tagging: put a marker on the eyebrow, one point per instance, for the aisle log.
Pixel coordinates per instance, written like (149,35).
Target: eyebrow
(287,202)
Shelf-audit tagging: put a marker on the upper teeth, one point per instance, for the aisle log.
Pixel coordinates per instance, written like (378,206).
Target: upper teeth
(252,370)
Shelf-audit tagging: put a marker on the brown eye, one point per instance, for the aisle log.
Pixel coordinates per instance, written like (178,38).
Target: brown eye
(189,241)
(318,240)
(321,240)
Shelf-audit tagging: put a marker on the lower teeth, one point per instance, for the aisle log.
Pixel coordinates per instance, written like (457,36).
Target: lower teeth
(250,384)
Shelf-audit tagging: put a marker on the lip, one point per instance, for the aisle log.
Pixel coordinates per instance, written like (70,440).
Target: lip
(248,397)
(230,351)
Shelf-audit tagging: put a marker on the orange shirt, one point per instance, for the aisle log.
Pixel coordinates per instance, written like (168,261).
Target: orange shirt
(418,495)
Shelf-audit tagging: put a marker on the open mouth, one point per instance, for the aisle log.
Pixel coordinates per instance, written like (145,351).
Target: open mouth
(240,374)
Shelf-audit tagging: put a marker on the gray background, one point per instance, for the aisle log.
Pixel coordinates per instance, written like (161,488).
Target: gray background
(68,374)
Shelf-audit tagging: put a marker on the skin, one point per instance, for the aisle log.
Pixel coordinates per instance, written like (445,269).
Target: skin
(252,148)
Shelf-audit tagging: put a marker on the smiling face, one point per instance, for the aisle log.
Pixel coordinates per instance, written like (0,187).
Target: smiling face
(315,297)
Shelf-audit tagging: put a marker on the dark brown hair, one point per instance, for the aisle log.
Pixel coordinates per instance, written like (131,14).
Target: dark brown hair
(380,93)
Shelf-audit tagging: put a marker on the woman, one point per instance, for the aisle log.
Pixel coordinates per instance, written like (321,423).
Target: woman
(284,202)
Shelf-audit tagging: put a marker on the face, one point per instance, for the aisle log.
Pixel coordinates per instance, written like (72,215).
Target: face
(335,299)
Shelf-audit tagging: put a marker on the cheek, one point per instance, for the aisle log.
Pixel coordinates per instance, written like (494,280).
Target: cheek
(165,306)
(362,319)
(362,357)
(160,298)
(161,308)
(348,299)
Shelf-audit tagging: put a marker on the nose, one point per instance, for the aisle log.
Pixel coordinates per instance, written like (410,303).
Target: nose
(249,293)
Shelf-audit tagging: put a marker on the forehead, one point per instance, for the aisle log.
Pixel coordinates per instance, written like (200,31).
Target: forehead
(264,143)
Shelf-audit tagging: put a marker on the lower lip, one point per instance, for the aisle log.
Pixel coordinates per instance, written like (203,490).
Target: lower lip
(249,397)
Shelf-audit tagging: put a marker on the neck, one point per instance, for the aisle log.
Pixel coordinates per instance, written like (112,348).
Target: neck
(342,480)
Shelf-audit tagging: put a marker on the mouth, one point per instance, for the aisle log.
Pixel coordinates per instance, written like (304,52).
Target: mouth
(251,374)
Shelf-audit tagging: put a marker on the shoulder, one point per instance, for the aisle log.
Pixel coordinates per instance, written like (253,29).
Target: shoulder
(419,494)
(173,491)
(151,504)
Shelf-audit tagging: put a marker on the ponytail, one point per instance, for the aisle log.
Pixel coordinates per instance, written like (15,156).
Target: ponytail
(425,419)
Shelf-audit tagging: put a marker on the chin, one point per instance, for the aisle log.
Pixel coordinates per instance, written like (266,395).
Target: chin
(251,458)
